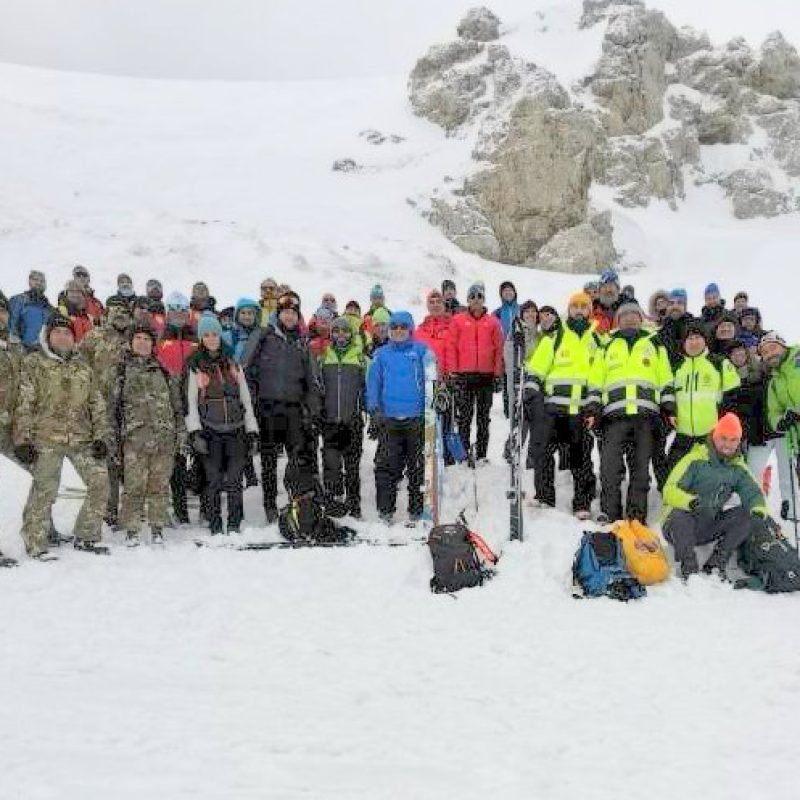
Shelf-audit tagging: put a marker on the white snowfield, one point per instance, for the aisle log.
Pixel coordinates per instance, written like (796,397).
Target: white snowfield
(213,674)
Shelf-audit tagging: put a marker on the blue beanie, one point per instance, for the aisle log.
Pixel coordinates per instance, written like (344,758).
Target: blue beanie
(402,318)
(177,302)
(608,276)
(376,292)
(712,288)
(678,296)
(208,323)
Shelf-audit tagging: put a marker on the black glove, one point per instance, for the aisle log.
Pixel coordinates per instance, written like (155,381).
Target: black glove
(99,449)
(787,421)
(498,384)
(518,337)
(199,444)
(694,505)
(26,453)
(253,443)
(376,422)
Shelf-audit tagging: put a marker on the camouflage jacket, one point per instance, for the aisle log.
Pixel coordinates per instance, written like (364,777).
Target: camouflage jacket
(103,348)
(146,402)
(59,402)
(10,364)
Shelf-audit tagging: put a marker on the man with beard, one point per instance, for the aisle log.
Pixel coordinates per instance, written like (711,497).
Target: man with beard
(559,369)
(278,368)
(29,311)
(608,301)
(103,348)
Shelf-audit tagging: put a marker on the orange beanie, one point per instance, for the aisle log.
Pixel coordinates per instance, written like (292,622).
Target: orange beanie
(728,425)
(579,299)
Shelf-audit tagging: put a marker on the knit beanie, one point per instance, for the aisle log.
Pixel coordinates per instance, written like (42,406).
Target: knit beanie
(477,288)
(579,299)
(627,307)
(678,296)
(208,323)
(608,276)
(771,337)
(712,288)
(376,292)
(728,425)
(381,316)
(341,323)
(695,328)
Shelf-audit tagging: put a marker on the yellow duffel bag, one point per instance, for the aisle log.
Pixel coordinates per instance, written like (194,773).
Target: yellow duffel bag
(644,553)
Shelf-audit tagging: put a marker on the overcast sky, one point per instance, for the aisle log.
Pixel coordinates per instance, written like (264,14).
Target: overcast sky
(284,39)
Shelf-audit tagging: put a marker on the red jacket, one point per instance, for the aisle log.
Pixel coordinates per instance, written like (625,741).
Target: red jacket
(174,349)
(433,332)
(94,308)
(475,345)
(81,325)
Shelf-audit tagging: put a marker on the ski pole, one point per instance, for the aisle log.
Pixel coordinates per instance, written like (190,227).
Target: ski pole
(791,441)
(472,466)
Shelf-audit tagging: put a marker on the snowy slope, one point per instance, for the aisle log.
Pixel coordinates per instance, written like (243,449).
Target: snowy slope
(214,674)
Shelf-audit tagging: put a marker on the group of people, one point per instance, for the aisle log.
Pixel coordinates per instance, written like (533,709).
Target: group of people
(149,395)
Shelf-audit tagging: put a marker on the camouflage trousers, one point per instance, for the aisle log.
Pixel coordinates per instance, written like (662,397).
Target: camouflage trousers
(147,466)
(46,474)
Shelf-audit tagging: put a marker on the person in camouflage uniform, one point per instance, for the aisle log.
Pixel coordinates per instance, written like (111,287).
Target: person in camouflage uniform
(10,363)
(147,419)
(60,413)
(104,348)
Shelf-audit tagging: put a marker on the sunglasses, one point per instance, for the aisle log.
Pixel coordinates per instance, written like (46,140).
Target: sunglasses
(475,296)
(81,274)
(398,327)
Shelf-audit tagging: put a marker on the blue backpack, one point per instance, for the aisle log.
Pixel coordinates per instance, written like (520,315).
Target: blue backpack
(599,569)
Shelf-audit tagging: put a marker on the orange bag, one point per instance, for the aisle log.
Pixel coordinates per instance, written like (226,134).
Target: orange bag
(644,553)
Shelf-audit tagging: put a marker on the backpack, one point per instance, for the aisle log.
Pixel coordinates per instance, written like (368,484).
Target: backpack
(599,569)
(644,553)
(459,558)
(304,521)
(771,562)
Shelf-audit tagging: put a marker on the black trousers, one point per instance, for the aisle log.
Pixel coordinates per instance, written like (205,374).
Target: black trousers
(342,446)
(177,485)
(224,465)
(685,530)
(636,434)
(401,451)
(558,430)
(286,425)
(474,398)
(661,465)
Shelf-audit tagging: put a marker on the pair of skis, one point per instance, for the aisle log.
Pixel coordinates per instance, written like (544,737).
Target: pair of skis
(433,444)
(515,493)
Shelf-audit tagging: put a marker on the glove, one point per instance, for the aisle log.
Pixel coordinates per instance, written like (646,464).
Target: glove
(253,443)
(759,513)
(199,444)
(518,337)
(376,422)
(529,394)
(26,453)
(694,505)
(498,384)
(99,449)
(787,421)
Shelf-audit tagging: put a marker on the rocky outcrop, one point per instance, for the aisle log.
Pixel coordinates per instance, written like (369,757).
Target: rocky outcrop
(753,194)
(777,72)
(637,125)
(642,168)
(631,80)
(479,25)
(588,247)
(540,176)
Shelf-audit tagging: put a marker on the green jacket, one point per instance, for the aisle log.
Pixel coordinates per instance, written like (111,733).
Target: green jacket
(704,475)
(783,389)
(700,383)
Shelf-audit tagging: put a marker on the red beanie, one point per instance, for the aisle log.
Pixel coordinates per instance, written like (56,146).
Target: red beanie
(728,425)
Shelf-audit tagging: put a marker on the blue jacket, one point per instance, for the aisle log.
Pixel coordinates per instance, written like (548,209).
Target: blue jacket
(506,314)
(239,334)
(396,380)
(27,316)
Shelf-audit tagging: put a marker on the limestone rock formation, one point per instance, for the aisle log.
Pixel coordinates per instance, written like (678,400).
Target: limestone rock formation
(587,247)
(753,194)
(777,72)
(479,25)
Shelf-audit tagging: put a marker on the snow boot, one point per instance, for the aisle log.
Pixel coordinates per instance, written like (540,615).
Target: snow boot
(86,546)
(132,539)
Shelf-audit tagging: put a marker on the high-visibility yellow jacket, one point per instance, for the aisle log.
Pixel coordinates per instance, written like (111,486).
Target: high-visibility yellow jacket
(631,377)
(559,366)
(700,382)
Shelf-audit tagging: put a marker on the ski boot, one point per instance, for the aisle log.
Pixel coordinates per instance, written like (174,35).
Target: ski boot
(132,539)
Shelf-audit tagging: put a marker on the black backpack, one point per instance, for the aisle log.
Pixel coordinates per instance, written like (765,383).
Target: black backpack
(305,521)
(771,562)
(458,556)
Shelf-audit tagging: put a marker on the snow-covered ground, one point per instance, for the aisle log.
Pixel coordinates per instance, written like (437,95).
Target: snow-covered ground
(207,673)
